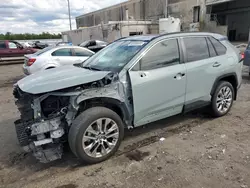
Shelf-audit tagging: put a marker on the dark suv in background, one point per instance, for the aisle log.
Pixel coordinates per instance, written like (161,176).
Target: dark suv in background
(94,45)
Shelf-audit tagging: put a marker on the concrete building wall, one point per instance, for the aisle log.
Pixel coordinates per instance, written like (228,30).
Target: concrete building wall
(136,9)
(110,32)
(145,10)
(236,15)
(183,9)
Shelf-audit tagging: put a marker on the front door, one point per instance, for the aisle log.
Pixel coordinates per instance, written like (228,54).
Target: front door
(158,83)
(15,50)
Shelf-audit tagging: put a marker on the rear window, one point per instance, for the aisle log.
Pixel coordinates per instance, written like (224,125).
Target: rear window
(196,48)
(82,52)
(62,52)
(40,52)
(220,48)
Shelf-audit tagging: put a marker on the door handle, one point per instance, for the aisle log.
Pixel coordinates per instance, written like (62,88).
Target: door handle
(179,75)
(216,64)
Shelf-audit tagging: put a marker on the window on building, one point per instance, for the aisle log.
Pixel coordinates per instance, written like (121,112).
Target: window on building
(12,45)
(62,52)
(196,12)
(135,33)
(220,48)
(196,48)
(163,54)
(82,52)
(211,49)
(2,45)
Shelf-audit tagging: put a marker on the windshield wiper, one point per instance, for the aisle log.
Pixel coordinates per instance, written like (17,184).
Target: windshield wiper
(92,68)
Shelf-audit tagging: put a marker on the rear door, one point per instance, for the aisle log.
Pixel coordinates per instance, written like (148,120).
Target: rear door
(63,56)
(81,54)
(202,67)
(247,56)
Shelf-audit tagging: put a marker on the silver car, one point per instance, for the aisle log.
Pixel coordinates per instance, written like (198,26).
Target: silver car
(52,57)
(131,82)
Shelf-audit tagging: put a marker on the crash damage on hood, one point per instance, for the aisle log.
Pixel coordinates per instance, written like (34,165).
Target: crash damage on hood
(47,115)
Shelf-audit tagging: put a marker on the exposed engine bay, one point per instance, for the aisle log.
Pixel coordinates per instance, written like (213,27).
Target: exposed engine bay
(46,118)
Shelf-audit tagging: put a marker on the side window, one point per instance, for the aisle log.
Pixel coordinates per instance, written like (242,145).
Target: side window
(161,55)
(12,45)
(212,52)
(82,52)
(62,52)
(220,48)
(196,48)
(2,45)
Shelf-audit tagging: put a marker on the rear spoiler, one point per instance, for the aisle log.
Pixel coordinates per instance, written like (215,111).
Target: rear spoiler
(223,38)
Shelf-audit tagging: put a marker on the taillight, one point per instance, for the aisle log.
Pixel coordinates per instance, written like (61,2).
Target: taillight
(31,61)
(242,55)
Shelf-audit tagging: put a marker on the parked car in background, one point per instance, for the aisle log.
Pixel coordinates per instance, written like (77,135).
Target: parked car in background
(39,45)
(52,57)
(132,82)
(63,43)
(94,45)
(246,57)
(14,49)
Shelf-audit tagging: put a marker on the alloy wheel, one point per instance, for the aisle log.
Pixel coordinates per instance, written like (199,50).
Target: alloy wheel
(224,99)
(100,137)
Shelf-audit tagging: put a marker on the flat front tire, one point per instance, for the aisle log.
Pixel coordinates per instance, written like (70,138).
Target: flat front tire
(96,134)
(222,99)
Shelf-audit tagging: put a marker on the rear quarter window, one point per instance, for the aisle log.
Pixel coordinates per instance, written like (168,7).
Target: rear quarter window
(220,48)
(2,45)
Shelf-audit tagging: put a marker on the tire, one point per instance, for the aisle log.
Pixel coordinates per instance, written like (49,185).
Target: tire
(225,105)
(81,128)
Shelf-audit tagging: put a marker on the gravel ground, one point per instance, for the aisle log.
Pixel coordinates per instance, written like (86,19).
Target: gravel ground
(192,150)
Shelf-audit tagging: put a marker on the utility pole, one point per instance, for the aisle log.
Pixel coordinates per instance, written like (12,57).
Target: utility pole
(69,16)
(166,9)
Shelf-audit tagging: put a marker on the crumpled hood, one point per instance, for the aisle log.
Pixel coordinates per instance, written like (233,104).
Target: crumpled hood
(58,78)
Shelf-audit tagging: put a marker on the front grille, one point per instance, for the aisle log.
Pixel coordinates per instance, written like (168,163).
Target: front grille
(22,133)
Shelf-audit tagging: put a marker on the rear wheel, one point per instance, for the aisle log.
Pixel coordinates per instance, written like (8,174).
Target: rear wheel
(222,99)
(96,134)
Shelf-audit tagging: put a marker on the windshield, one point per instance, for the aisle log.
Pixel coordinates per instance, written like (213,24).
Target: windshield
(39,52)
(115,56)
(84,43)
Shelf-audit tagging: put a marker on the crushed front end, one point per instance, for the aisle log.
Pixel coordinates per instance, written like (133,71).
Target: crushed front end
(41,131)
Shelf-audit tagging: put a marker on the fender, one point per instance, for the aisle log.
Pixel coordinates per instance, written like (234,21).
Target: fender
(222,77)
(108,95)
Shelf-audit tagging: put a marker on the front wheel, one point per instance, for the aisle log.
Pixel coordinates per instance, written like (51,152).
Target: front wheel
(222,99)
(96,134)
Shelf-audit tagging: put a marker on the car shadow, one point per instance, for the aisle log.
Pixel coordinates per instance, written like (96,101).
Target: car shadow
(22,160)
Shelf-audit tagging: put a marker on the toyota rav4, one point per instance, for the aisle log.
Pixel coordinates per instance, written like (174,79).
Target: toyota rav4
(131,82)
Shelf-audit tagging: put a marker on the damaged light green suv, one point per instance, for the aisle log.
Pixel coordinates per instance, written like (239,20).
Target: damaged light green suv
(131,82)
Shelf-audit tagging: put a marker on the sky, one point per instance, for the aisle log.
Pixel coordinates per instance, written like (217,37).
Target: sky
(37,16)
